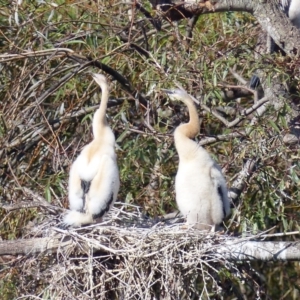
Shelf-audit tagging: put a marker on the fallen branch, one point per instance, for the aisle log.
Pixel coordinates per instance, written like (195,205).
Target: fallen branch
(154,240)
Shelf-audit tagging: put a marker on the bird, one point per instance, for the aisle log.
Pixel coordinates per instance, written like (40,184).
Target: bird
(94,176)
(200,187)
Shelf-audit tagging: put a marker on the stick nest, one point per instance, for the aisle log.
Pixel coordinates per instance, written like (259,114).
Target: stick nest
(126,257)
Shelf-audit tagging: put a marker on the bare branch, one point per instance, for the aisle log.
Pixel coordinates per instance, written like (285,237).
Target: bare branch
(267,14)
(55,52)
(244,113)
(215,246)
(243,176)
(221,137)
(264,251)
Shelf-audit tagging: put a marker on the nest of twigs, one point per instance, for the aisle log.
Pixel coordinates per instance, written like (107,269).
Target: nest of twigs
(127,257)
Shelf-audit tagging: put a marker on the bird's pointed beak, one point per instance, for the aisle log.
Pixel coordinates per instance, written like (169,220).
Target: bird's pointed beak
(167,91)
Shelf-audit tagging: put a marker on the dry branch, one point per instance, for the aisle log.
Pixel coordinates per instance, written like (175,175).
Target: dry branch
(266,251)
(151,241)
(34,246)
(267,14)
(242,178)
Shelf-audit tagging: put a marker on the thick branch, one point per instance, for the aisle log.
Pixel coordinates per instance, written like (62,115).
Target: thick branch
(266,251)
(231,249)
(33,246)
(267,13)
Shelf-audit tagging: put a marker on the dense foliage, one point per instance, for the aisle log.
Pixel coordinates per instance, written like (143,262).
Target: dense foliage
(48,99)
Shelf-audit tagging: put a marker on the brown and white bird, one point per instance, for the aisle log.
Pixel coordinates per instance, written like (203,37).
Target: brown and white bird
(201,192)
(94,176)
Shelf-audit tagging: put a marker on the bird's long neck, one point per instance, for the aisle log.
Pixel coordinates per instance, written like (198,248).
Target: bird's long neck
(185,132)
(190,129)
(99,120)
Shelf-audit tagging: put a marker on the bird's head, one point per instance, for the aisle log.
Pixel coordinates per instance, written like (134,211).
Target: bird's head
(100,79)
(180,95)
(175,94)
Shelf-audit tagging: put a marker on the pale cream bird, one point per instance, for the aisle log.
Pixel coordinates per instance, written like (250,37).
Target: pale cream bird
(201,192)
(94,176)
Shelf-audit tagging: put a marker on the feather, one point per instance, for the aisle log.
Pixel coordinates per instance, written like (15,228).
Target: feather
(201,192)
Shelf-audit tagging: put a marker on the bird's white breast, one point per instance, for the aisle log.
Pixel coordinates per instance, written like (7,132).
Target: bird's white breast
(87,169)
(193,187)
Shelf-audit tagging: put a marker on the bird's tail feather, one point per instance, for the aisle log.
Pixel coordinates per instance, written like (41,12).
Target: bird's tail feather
(76,219)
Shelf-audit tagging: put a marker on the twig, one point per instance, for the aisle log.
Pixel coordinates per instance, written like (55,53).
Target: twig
(279,234)
(244,113)
(238,76)
(57,51)
(242,177)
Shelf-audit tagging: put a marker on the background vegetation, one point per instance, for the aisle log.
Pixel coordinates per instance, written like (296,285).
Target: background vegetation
(48,100)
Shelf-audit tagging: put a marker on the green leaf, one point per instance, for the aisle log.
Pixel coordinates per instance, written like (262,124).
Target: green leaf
(74,42)
(274,126)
